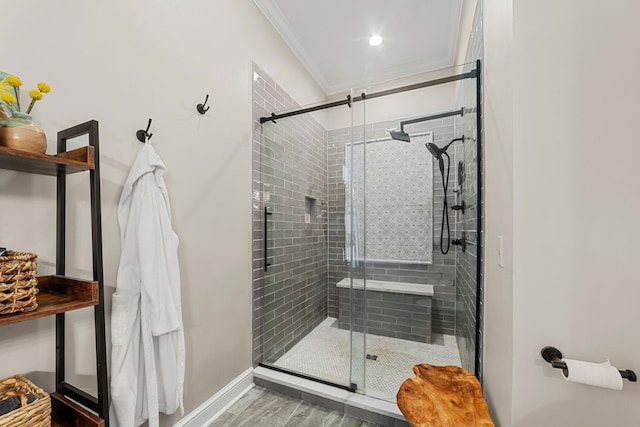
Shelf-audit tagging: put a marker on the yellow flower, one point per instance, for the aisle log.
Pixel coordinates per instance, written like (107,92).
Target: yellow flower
(35,94)
(8,98)
(14,81)
(44,88)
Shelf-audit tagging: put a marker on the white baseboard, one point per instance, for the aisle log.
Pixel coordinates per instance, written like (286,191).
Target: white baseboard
(213,407)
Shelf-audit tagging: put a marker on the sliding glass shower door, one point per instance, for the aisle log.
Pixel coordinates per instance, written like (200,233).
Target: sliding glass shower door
(309,259)
(293,239)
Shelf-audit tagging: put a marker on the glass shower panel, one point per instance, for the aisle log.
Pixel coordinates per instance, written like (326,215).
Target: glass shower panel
(411,303)
(355,247)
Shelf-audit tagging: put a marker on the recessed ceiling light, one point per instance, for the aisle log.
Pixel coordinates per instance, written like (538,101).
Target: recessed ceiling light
(375,40)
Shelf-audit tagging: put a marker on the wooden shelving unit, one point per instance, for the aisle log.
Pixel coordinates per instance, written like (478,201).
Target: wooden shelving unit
(78,160)
(69,414)
(58,293)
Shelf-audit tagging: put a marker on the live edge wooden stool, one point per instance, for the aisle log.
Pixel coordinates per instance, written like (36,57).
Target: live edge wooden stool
(443,396)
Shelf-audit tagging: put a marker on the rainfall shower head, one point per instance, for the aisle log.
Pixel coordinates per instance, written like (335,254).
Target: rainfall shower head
(400,135)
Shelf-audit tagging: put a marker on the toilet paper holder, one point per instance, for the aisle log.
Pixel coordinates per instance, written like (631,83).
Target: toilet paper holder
(554,356)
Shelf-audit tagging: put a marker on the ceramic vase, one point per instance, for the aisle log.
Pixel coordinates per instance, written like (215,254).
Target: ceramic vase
(20,133)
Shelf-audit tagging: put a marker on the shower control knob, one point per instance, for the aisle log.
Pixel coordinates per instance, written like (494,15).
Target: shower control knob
(460,207)
(462,242)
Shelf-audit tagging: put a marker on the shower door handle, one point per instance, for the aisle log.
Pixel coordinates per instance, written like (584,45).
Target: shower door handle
(266,214)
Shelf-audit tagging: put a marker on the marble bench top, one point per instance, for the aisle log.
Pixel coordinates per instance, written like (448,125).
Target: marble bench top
(396,287)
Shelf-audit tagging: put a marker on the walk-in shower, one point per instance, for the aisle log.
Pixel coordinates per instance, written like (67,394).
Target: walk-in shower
(348,288)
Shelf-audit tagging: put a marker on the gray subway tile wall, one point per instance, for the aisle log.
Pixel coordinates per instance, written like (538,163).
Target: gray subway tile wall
(289,178)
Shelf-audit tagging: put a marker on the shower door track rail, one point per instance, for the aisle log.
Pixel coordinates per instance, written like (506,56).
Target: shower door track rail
(306,377)
(468,75)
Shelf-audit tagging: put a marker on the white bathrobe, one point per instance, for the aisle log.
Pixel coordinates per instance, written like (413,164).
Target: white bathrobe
(147,337)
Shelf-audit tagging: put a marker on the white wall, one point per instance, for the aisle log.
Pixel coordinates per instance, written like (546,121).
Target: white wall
(466,25)
(498,203)
(120,63)
(575,204)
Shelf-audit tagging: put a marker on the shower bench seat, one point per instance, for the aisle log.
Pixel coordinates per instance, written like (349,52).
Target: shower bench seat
(393,309)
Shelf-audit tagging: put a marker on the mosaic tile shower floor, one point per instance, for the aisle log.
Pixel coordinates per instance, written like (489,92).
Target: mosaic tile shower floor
(324,353)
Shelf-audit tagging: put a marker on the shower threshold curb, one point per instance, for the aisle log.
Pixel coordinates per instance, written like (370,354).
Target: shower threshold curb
(353,404)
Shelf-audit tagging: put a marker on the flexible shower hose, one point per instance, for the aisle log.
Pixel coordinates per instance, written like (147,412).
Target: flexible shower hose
(445,208)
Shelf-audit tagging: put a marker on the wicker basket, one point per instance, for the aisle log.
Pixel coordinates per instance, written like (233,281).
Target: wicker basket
(18,283)
(34,414)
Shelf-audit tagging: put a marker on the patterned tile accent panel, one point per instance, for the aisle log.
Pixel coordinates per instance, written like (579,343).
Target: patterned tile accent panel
(290,178)
(399,200)
(466,263)
(441,272)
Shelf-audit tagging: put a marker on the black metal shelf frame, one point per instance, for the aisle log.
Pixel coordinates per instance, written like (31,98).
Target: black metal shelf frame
(99,404)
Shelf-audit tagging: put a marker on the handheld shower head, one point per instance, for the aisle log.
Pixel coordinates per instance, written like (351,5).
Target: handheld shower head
(434,150)
(437,152)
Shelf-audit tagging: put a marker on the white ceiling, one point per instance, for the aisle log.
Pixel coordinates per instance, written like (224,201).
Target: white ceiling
(330,37)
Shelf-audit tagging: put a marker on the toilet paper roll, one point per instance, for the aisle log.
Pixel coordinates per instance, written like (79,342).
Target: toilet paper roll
(595,374)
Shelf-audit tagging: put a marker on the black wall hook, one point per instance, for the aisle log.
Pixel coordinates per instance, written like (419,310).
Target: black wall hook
(200,107)
(144,135)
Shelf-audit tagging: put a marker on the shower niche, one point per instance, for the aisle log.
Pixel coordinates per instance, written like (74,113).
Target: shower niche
(356,266)
(309,210)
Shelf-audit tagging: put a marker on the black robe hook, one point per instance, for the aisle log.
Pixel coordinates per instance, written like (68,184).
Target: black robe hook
(144,135)
(200,107)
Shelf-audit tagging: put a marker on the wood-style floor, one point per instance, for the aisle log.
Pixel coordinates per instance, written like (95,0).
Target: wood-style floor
(265,408)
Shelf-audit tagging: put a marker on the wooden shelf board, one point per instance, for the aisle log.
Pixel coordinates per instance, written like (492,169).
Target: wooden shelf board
(57,294)
(66,413)
(78,160)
